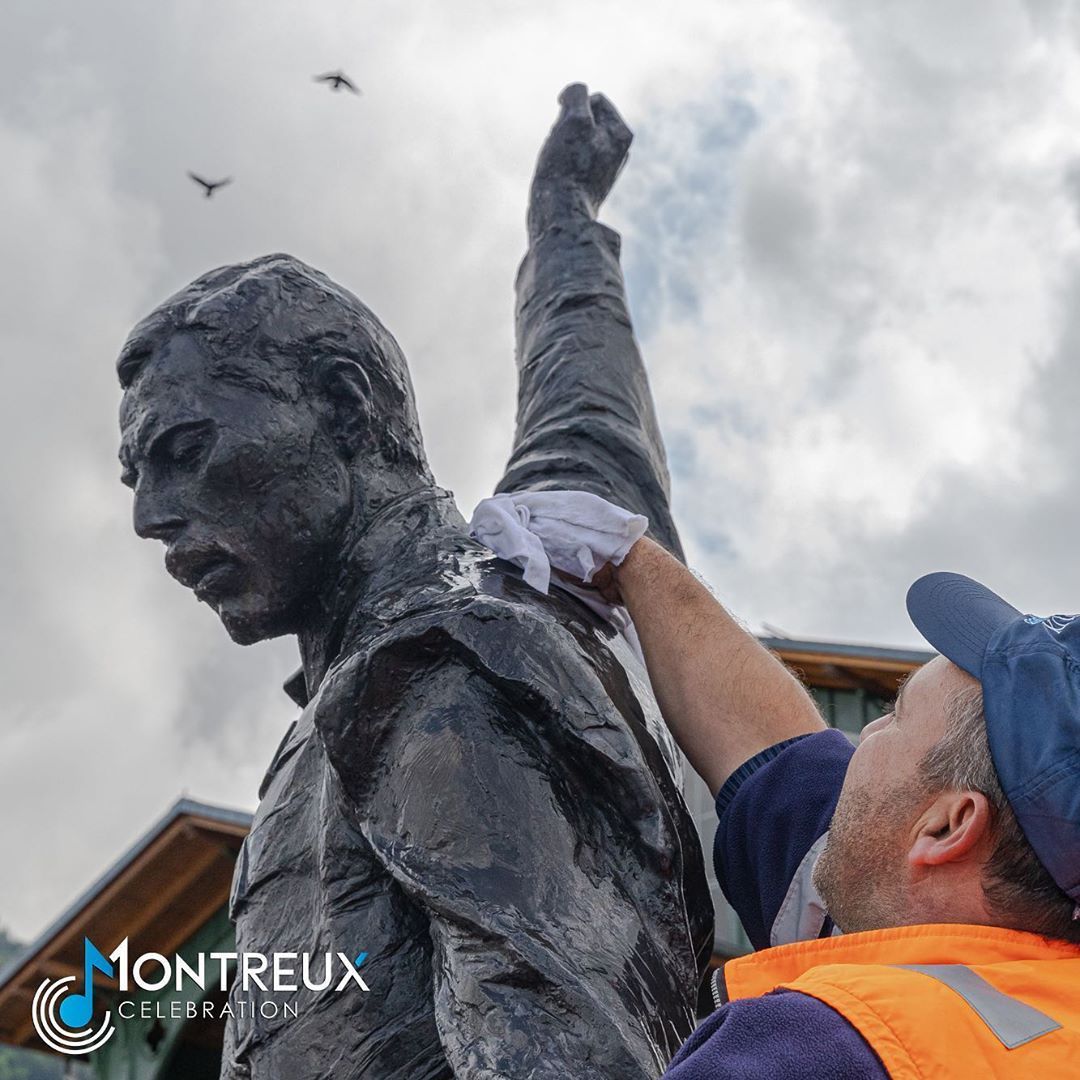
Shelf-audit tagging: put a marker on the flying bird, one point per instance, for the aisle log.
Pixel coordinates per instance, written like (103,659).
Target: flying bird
(210,185)
(337,79)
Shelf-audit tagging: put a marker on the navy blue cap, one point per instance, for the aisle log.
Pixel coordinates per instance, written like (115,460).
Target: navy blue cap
(1029,668)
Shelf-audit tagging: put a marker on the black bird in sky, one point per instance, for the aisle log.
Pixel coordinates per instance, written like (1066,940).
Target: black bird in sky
(337,79)
(210,185)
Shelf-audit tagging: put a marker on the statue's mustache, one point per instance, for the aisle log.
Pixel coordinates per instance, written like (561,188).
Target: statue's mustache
(193,561)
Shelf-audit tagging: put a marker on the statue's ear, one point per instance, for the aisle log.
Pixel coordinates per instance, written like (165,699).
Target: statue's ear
(347,391)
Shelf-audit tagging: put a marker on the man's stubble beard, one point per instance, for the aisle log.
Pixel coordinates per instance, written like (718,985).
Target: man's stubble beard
(860,872)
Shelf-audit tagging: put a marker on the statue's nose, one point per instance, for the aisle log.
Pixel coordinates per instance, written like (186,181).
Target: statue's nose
(155,518)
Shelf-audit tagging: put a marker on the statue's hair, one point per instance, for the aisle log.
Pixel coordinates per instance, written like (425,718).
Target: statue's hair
(273,324)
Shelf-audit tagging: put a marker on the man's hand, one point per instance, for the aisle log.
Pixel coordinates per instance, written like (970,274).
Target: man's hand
(605,582)
(579,160)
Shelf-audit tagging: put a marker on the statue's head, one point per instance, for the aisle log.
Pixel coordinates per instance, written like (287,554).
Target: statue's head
(263,406)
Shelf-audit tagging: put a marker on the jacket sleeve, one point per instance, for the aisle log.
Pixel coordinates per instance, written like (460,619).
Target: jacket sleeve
(585,416)
(784,1035)
(541,960)
(773,815)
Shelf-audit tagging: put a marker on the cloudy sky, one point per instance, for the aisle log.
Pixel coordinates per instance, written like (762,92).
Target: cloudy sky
(852,242)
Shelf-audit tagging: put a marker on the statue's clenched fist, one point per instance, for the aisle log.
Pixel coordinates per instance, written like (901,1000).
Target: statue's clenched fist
(579,160)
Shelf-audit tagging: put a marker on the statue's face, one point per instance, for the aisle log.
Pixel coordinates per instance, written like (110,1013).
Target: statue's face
(249,494)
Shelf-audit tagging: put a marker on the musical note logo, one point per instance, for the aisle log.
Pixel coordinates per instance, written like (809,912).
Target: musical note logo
(62,1017)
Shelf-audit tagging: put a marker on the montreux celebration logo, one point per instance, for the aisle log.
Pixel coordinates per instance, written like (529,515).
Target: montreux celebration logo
(64,1019)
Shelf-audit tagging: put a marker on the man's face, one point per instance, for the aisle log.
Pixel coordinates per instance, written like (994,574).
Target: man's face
(247,492)
(863,872)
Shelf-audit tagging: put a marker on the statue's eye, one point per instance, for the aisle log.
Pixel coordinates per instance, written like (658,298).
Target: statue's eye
(186,450)
(185,444)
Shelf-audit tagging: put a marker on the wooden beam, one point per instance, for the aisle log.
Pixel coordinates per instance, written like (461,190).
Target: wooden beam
(26,1034)
(24,995)
(199,915)
(858,681)
(194,870)
(806,656)
(60,969)
(220,828)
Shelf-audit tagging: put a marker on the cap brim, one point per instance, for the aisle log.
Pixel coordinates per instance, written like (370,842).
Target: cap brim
(958,616)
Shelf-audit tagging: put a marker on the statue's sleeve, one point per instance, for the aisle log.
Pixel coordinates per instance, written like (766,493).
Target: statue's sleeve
(585,416)
(540,957)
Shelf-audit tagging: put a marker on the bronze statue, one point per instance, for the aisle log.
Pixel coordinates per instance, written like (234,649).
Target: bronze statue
(479,793)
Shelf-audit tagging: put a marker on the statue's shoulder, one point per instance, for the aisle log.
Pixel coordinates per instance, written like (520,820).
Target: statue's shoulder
(465,650)
(496,589)
(472,589)
(479,614)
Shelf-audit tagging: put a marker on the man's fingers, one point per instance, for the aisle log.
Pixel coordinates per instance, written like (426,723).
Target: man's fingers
(603,582)
(607,116)
(575,102)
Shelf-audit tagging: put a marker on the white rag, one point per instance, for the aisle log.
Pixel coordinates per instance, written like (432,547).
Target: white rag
(574,531)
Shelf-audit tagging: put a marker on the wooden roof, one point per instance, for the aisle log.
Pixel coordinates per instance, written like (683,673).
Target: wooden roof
(157,894)
(832,666)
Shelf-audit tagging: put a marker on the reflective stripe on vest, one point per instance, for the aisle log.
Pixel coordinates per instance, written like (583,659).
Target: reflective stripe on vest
(1011,1020)
(937,1000)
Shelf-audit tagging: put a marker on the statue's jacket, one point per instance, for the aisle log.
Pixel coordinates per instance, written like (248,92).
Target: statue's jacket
(482,797)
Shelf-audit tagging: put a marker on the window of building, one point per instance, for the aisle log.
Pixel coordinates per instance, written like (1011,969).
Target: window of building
(849,710)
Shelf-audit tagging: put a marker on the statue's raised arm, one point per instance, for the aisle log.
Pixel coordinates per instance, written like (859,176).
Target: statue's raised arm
(585,415)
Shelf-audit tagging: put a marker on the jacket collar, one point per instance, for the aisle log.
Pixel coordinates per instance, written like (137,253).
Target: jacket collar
(931,943)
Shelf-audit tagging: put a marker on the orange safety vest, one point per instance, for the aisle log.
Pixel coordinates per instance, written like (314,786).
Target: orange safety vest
(948,1000)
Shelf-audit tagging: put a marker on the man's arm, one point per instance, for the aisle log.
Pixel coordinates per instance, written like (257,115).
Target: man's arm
(784,1035)
(724,696)
(585,415)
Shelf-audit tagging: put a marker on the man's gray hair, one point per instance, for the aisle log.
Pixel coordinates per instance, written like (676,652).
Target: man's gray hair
(1017,887)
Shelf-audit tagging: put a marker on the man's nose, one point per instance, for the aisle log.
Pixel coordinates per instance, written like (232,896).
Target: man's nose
(155,517)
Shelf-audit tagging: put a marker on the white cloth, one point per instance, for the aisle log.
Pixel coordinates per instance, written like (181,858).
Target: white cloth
(573,531)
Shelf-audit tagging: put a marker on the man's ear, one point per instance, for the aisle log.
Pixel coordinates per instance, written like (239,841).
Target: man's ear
(347,391)
(950,828)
